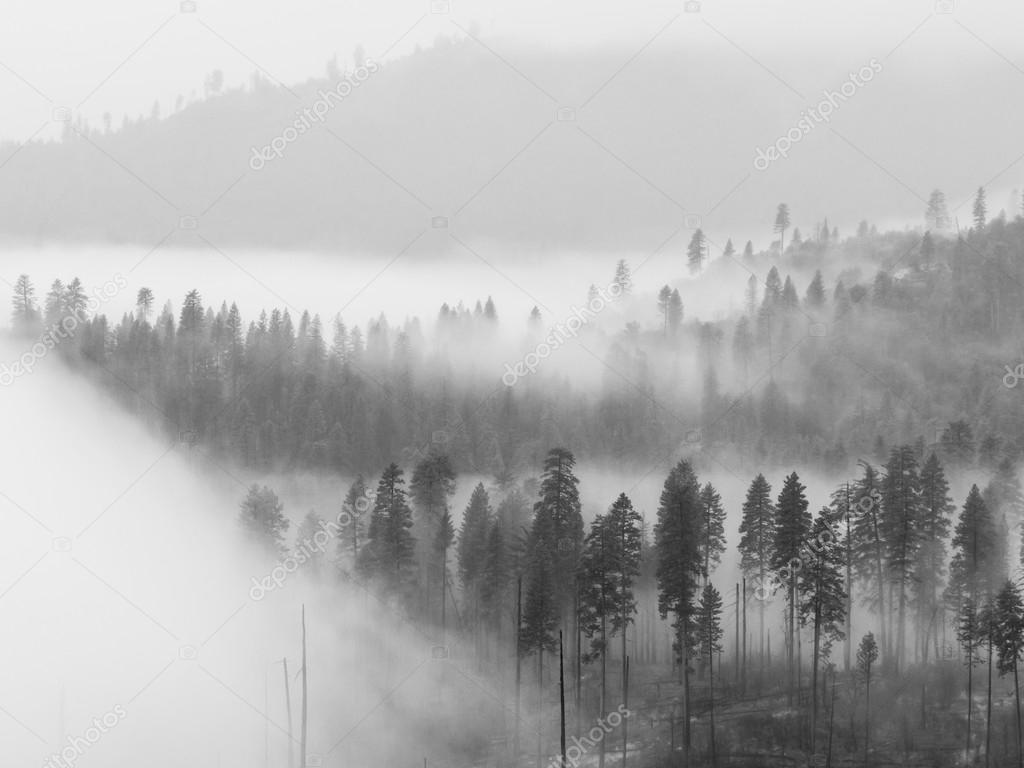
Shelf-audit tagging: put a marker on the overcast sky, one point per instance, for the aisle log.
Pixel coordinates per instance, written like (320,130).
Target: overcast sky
(115,55)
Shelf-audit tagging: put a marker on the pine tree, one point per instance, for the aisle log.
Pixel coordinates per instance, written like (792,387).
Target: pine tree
(664,296)
(713,529)
(1003,494)
(623,278)
(935,525)
(679,564)
(757,542)
(24,312)
(559,503)
(957,442)
(968,632)
(1009,642)
(262,516)
(709,637)
(936,216)
(980,210)
(309,547)
(792,527)
(433,483)
(901,529)
(972,571)
(867,655)
(822,598)
(472,546)
(867,546)
(390,550)
(675,313)
(443,540)
(781,225)
(144,303)
(354,509)
(696,251)
(816,291)
(494,578)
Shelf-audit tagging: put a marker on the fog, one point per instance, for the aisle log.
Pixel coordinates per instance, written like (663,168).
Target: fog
(126,586)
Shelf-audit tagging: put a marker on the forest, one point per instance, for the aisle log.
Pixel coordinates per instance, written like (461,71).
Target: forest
(893,602)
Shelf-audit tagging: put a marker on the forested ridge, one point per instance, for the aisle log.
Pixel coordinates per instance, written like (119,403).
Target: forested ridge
(889,595)
(911,340)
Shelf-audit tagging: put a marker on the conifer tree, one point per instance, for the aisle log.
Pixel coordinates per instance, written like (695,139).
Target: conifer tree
(709,637)
(696,251)
(757,541)
(792,527)
(782,224)
(867,545)
(901,529)
(389,553)
(935,525)
(822,598)
(972,572)
(713,528)
(354,508)
(867,655)
(262,516)
(1009,642)
(676,541)
(472,546)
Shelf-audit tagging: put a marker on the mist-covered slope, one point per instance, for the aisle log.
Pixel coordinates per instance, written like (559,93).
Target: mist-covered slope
(532,148)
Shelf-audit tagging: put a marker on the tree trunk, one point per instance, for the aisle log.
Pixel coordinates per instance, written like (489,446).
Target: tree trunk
(814,677)
(540,706)
(988,706)
(561,698)
(305,697)
(519,665)
(604,678)
(711,704)
(625,706)
(867,715)
(970,697)
(1020,740)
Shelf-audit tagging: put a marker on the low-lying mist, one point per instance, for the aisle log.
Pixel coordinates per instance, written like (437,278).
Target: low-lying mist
(126,596)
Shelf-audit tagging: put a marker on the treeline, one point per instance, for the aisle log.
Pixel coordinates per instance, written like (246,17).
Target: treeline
(812,376)
(887,555)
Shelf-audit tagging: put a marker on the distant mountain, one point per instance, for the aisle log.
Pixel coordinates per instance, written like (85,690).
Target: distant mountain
(534,149)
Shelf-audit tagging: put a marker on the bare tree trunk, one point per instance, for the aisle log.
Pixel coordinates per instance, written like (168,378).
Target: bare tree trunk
(540,705)
(1020,740)
(970,697)
(711,704)
(561,697)
(737,634)
(743,674)
(625,706)
(305,697)
(519,664)
(814,678)
(288,706)
(867,715)
(604,683)
(988,706)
